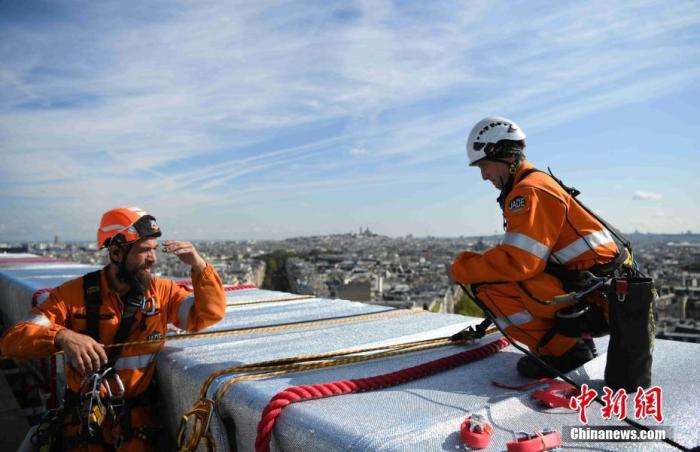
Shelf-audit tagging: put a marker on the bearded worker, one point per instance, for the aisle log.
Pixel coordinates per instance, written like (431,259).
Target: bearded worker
(109,389)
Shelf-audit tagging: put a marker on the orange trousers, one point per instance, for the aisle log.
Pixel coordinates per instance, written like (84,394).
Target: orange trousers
(523,310)
(140,416)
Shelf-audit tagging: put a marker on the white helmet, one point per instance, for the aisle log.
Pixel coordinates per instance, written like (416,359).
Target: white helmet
(487,132)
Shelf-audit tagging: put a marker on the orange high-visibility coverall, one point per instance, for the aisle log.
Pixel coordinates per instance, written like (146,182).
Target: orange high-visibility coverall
(65,308)
(543,223)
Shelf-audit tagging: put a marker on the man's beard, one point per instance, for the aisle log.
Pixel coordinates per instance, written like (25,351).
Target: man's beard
(138,280)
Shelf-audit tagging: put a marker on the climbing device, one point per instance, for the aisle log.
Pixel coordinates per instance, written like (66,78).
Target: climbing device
(475,432)
(96,408)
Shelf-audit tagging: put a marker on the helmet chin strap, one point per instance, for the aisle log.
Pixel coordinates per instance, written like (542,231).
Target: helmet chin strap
(507,186)
(512,169)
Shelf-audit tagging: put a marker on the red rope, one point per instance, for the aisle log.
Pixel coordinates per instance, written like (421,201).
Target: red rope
(334,388)
(37,294)
(186,284)
(240,287)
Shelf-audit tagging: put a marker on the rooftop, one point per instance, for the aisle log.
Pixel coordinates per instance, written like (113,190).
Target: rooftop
(424,414)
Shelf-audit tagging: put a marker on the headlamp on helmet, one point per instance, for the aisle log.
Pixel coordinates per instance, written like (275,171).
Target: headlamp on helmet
(125,225)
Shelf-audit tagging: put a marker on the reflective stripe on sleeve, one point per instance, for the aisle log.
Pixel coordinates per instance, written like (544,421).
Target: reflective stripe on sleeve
(184,311)
(514,319)
(134,362)
(38,319)
(585,243)
(526,243)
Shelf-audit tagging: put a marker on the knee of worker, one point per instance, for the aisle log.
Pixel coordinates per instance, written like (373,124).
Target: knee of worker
(506,299)
(531,335)
(501,299)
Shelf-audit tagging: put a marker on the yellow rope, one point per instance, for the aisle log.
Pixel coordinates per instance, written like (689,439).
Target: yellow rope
(281,363)
(272,300)
(202,410)
(264,329)
(329,363)
(269,329)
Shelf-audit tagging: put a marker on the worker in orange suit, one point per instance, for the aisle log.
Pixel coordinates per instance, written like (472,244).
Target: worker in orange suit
(108,394)
(550,240)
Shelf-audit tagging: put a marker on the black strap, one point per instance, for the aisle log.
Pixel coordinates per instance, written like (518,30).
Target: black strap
(470,333)
(132,304)
(574,193)
(92,294)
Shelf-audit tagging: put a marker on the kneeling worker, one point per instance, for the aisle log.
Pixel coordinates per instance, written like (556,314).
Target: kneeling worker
(551,240)
(106,404)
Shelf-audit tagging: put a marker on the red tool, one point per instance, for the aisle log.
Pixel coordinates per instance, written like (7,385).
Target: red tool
(476,432)
(556,395)
(536,442)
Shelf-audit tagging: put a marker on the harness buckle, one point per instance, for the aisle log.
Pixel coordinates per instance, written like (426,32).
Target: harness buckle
(149,306)
(621,289)
(477,423)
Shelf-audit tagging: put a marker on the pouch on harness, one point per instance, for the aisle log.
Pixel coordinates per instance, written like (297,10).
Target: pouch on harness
(630,298)
(629,361)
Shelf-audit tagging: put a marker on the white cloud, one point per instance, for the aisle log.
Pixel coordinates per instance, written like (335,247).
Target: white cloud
(646,196)
(209,101)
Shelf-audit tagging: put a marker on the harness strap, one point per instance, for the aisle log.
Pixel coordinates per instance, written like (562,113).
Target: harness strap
(539,441)
(92,294)
(124,330)
(574,193)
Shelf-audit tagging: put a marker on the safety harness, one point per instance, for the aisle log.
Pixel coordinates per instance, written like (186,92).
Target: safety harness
(630,296)
(88,407)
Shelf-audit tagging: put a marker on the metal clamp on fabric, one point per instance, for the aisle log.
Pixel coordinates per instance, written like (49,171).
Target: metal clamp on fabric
(535,442)
(556,395)
(475,432)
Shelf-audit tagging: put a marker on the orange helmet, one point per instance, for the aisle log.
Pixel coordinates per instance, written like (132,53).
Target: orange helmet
(126,225)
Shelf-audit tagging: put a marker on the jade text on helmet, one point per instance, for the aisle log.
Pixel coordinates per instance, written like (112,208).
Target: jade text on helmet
(487,133)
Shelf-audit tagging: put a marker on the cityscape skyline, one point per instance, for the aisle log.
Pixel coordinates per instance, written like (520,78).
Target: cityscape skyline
(269,119)
(398,272)
(57,239)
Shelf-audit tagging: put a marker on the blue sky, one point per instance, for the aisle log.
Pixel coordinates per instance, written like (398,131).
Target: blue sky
(271,119)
